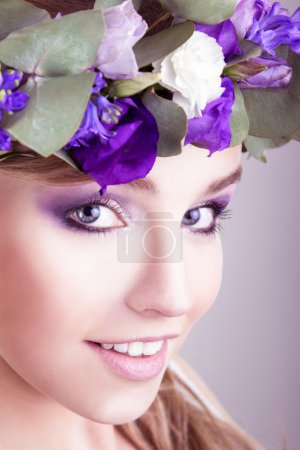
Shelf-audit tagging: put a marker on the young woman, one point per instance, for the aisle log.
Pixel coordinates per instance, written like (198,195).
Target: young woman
(98,294)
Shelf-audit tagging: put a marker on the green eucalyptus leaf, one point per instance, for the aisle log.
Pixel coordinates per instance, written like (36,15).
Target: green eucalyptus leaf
(244,69)
(18,14)
(282,51)
(53,113)
(296,136)
(171,121)
(274,113)
(250,50)
(152,48)
(64,155)
(239,121)
(63,46)
(257,146)
(126,88)
(103,4)
(209,12)
(137,4)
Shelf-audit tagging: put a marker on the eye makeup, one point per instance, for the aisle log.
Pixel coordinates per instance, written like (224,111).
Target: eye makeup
(60,201)
(217,207)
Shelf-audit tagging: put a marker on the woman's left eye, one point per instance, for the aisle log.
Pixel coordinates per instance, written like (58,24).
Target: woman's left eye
(204,219)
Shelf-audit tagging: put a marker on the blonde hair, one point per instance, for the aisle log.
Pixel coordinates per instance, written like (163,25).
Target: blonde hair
(173,421)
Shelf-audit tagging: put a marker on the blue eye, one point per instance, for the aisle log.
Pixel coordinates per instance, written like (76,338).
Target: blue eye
(206,219)
(104,215)
(97,216)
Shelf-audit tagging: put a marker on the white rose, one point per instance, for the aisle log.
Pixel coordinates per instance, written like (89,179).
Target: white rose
(193,72)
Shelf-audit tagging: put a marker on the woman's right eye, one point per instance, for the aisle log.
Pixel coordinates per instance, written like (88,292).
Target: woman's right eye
(96,217)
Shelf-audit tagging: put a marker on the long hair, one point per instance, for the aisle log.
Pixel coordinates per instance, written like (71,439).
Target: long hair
(173,421)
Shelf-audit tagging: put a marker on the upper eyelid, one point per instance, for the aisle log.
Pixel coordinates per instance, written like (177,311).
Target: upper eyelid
(110,203)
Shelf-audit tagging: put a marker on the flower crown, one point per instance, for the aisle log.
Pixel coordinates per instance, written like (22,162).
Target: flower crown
(108,93)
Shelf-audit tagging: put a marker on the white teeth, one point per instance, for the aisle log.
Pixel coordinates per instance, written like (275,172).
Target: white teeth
(136,348)
(107,346)
(122,348)
(152,347)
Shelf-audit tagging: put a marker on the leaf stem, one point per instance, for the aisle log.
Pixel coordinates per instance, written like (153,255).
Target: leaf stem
(166,16)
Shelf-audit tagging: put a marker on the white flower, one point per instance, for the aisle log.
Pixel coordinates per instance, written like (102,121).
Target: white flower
(193,72)
(124,27)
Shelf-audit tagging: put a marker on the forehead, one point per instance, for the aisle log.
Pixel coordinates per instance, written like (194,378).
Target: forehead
(179,182)
(191,171)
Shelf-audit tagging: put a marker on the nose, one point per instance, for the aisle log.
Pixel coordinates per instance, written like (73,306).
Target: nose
(161,289)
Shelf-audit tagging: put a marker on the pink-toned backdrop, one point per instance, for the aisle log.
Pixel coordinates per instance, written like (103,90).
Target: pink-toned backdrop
(246,347)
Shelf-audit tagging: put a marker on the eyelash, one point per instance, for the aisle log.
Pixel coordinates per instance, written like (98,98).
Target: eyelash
(218,208)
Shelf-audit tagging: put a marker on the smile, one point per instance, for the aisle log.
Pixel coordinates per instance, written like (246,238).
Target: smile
(138,367)
(136,348)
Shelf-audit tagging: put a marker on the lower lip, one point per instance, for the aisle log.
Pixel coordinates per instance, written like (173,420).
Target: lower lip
(139,368)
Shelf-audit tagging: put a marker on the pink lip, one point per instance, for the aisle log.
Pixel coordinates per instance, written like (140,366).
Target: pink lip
(138,368)
(143,339)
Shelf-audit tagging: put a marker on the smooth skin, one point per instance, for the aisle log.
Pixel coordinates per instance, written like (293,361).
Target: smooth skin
(60,287)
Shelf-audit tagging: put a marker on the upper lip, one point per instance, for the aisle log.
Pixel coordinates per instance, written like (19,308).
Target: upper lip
(140,339)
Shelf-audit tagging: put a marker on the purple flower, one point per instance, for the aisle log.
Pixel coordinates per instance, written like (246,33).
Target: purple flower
(90,127)
(278,74)
(124,27)
(129,153)
(246,12)
(10,100)
(212,130)
(225,35)
(268,25)
(97,115)
(5,141)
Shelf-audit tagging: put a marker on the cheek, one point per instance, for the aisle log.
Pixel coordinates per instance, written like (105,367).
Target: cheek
(55,291)
(50,286)
(204,271)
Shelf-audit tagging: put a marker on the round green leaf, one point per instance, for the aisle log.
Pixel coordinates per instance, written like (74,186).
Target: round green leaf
(157,46)
(63,46)
(16,14)
(137,4)
(250,50)
(274,113)
(126,88)
(257,146)
(64,155)
(171,121)
(103,4)
(239,121)
(53,113)
(296,136)
(209,12)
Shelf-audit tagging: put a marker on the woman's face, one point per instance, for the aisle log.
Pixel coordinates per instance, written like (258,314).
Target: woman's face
(62,284)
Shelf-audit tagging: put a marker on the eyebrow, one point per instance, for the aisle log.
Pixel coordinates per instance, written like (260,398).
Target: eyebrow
(147,184)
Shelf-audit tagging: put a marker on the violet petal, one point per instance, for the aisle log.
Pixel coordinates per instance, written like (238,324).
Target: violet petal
(225,35)
(212,130)
(277,75)
(129,154)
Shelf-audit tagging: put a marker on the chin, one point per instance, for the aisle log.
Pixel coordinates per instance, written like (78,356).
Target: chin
(118,411)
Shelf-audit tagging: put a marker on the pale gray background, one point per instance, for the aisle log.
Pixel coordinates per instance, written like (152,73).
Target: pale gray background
(246,347)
